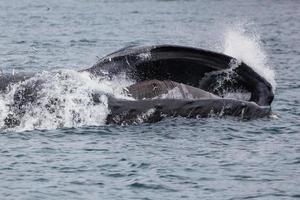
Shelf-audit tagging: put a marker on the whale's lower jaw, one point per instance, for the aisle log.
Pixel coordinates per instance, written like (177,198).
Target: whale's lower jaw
(155,100)
(132,112)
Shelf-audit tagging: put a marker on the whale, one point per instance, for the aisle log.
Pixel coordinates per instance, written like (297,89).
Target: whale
(158,69)
(168,81)
(187,65)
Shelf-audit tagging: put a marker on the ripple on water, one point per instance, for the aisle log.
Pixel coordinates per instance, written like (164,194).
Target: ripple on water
(215,158)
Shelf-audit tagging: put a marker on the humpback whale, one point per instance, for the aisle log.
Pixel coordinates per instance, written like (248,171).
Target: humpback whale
(169,81)
(194,72)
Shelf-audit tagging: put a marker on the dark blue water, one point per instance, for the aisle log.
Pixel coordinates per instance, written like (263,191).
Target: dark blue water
(215,158)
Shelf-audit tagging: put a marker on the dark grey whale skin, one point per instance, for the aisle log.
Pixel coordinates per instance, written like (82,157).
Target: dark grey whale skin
(181,64)
(130,112)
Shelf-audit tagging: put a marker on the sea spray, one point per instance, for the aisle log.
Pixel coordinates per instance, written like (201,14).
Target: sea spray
(247,48)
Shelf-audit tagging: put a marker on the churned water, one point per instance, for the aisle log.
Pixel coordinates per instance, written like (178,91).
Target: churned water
(57,156)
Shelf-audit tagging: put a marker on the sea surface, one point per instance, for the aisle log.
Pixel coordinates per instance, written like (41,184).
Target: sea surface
(57,157)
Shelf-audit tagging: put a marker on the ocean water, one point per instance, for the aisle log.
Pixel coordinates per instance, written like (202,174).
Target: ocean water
(54,156)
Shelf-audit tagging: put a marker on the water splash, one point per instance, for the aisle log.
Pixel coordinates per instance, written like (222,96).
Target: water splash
(63,99)
(247,48)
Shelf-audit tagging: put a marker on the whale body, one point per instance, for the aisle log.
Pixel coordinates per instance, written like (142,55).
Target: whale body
(201,80)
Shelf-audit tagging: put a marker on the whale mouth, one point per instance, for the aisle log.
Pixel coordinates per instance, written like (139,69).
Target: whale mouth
(151,82)
(210,71)
(184,81)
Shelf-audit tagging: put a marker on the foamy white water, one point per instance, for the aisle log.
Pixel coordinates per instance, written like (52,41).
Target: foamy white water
(64,99)
(247,48)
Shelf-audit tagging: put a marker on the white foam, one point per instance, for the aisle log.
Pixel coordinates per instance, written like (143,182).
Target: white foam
(74,105)
(145,116)
(247,48)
